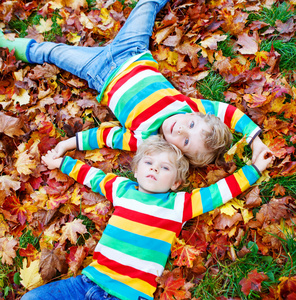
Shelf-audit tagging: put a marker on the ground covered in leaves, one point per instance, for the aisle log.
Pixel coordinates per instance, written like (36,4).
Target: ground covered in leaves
(241,52)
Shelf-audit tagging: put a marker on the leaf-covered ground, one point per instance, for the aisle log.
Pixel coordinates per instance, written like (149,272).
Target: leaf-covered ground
(241,52)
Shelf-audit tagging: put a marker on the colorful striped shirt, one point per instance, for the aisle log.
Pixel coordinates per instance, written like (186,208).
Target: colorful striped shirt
(136,243)
(141,98)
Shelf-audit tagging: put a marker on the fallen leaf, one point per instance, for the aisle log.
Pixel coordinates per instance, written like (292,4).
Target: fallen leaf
(252,282)
(31,278)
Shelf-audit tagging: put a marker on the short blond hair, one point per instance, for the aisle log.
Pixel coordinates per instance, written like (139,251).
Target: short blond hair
(217,141)
(157,144)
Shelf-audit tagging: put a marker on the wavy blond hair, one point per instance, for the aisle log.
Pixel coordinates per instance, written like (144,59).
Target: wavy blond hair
(157,144)
(216,141)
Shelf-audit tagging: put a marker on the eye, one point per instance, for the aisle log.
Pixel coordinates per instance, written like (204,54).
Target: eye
(148,163)
(186,142)
(191,124)
(166,168)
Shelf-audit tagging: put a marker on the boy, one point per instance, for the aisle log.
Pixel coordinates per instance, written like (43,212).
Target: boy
(144,102)
(147,218)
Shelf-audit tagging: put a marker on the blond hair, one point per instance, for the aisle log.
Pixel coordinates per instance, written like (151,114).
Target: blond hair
(157,144)
(216,141)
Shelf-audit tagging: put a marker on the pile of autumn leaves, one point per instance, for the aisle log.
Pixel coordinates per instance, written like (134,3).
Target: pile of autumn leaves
(41,105)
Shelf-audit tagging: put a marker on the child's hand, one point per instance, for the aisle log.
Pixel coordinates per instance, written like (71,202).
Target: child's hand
(50,161)
(257,147)
(62,147)
(264,160)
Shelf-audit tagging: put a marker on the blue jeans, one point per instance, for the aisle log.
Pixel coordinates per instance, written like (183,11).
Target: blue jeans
(95,64)
(74,288)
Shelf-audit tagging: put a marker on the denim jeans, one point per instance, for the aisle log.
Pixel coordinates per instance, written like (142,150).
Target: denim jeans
(95,64)
(74,288)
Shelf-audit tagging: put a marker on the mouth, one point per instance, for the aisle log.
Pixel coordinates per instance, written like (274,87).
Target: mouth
(151,177)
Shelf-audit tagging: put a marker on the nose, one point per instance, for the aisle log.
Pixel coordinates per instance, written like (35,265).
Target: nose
(154,168)
(181,129)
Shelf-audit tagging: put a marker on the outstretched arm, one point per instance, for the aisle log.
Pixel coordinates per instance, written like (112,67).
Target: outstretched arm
(206,199)
(62,147)
(257,147)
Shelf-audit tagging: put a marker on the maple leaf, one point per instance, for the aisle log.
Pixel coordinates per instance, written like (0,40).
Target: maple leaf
(249,44)
(238,148)
(44,25)
(52,261)
(252,282)
(185,253)
(12,204)
(279,190)
(287,288)
(7,183)
(22,97)
(214,175)
(30,275)
(30,252)
(70,231)
(174,289)
(223,221)
(3,226)
(75,257)
(10,126)
(7,251)
(253,199)
(211,42)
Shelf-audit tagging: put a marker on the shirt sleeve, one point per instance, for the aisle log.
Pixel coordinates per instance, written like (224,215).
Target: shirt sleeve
(234,118)
(206,199)
(89,176)
(115,137)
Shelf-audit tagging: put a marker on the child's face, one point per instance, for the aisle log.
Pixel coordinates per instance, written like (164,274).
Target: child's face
(156,173)
(185,132)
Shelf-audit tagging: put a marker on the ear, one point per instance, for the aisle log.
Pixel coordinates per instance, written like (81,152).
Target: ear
(136,174)
(176,185)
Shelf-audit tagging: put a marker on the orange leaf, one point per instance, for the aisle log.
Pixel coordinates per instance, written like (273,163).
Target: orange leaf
(186,254)
(173,289)
(70,231)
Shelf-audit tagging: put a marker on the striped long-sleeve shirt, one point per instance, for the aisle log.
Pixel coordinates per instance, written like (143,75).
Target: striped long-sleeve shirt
(141,98)
(136,243)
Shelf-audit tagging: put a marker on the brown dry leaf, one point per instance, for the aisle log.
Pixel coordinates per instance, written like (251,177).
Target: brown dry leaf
(10,126)
(52,261)
(70,231)
(223,221)
(253,199)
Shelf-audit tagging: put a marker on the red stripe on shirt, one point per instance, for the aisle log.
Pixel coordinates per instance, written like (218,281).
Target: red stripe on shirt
(82,173)
(147,219)
(154,109)
(105,134)
(187,212)
(128,76)
(109,188)
(230,110)
(124,270)
(233,185)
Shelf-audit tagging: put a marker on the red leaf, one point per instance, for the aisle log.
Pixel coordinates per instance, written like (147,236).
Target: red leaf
(252,282)
(12,203)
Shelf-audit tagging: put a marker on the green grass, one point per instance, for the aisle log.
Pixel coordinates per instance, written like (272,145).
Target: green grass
(21,26)
(282,12)
(287,50)
(213,87)
(288,182)
(225,282)
(226,47)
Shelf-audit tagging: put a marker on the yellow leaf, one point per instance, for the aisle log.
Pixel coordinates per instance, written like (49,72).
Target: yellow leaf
(238,149)
(94,155)
(44,25)
(105,16)
(173,58)
(73,38)
(30,276)
(22,98)
(85,21)
(247,215)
